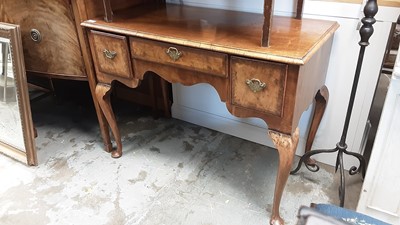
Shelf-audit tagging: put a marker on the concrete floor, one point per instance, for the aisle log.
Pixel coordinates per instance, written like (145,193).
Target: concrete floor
(171,173)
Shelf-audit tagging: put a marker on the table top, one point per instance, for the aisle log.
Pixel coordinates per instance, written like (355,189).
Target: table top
(292,41)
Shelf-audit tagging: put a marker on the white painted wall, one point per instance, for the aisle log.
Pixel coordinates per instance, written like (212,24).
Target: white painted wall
(341,72)
(200,103)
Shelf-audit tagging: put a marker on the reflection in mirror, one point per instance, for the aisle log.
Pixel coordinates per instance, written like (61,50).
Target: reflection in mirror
(10,122)
(16,128)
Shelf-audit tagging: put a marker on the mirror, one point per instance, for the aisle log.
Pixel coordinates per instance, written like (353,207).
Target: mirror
(16,127)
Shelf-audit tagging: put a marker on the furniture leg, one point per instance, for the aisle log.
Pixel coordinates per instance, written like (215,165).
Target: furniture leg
(286,145)
(164,90)
(104,129)
(103,92)
(103,124)
(299,11)
(321,99)
(153,92)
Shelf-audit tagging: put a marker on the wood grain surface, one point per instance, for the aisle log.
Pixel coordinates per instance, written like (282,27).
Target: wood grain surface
(120,64)
(59,51)
(190,58)
(292,41)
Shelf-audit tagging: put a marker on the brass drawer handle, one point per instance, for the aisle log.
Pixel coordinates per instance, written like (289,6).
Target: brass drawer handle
(173,53)
(255,85)
(109,54)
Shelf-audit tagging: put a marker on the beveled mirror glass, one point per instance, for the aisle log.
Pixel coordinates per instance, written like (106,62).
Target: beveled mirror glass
(16,127)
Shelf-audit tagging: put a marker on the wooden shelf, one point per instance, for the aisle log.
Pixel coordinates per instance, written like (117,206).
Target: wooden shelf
(266,27)
(291,40)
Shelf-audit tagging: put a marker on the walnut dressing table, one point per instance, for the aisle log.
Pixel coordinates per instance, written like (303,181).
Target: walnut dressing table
(191,45)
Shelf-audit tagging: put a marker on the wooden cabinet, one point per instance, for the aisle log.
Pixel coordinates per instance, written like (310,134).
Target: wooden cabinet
(49,36)
(53,42)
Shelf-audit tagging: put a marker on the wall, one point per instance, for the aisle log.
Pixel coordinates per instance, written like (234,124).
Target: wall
(200,104)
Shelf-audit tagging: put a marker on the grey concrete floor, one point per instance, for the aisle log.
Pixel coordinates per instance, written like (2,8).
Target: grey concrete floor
(171,173)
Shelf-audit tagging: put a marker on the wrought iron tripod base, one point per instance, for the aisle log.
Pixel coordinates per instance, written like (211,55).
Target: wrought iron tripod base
(366,31)
(340,149)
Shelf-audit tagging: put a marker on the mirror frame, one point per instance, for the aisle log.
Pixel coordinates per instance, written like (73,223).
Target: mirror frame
(29,156)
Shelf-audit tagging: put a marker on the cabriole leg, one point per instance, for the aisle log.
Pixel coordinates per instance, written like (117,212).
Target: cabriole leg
(103,92)
(321,99)
(286,146)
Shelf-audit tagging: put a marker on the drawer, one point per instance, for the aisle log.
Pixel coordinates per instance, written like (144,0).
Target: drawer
(49,36)
(184,57)
(258,85)
(110,54)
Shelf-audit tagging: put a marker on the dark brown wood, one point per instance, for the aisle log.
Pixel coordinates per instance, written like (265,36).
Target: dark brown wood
(166,100)
(321,99)
(299,9)
(266,29)
(108,8)
(154,97)
(143,96)
(95,8)
(108,17)
(162,85)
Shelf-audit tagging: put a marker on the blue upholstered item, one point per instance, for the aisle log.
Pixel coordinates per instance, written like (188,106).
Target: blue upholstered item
(347,215)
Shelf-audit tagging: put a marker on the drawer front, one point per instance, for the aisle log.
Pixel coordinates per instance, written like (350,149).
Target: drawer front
(189,58)
(49,36)
(258,85)
(110,55)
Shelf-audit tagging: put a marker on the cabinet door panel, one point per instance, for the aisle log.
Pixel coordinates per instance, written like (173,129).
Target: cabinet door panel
(58,52)
(379,196)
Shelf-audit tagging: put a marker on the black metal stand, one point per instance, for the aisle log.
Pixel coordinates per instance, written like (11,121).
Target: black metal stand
(366,31)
